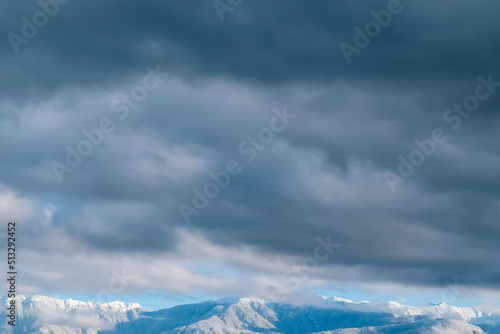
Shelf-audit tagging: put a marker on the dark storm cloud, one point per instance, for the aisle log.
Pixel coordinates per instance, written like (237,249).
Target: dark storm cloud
(323,175)
(270,42)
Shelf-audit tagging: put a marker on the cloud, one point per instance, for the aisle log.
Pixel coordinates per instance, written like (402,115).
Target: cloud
(322,175)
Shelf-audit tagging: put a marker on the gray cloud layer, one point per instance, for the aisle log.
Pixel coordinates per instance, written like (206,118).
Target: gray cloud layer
(323,175)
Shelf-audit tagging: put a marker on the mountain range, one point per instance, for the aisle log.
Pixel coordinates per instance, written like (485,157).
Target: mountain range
(232,315)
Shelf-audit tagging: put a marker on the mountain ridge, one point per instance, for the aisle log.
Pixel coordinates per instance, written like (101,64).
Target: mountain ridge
(235,315)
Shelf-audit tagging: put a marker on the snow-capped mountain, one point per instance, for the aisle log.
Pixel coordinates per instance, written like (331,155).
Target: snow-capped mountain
(46,315)
(40,314)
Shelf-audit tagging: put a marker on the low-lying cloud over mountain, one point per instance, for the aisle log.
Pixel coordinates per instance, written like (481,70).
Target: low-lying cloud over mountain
(251,315)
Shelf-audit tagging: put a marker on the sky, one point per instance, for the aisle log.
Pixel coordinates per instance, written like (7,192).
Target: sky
(168,152)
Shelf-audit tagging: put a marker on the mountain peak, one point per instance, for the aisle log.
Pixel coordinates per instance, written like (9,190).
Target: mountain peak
(249,315)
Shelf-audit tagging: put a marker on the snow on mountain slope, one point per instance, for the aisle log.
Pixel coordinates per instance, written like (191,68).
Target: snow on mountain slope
(45,315)
(216,316)
(246,315)
(442,310)
(438,326)
(39,314)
